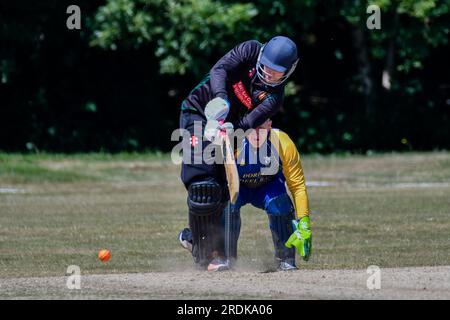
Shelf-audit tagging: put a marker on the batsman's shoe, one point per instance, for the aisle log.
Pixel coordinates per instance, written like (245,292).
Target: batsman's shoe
(286,266)
(185,238)
(218,264)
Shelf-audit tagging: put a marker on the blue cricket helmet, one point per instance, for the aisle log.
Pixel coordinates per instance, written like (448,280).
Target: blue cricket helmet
(279,54)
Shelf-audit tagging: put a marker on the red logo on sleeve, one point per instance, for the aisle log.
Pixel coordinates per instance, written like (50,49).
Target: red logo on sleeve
(243,96)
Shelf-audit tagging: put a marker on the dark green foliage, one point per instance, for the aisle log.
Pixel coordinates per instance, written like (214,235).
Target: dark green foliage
(117,83)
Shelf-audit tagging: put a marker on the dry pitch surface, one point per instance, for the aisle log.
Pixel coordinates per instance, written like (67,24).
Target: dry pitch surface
(396,283)
(390,210)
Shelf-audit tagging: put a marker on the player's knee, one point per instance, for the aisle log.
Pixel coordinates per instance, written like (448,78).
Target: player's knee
(280,205)
(204,197)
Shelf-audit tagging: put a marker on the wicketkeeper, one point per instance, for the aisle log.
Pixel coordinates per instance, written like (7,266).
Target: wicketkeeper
(268,161)
(242,90)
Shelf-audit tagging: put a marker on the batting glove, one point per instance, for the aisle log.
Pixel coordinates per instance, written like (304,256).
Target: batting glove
(301,238)
(216,129)
(217,109)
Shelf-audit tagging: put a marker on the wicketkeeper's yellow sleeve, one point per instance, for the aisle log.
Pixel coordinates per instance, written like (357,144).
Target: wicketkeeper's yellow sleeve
(292,171)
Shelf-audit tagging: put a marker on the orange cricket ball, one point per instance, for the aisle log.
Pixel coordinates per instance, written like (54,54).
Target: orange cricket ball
(104,255)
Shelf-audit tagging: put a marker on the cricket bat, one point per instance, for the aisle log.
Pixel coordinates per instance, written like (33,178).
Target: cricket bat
(231,170)
(233,189)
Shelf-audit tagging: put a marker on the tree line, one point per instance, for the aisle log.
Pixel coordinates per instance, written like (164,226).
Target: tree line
(116,83)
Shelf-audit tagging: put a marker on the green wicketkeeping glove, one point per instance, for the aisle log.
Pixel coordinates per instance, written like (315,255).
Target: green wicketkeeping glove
(301,238)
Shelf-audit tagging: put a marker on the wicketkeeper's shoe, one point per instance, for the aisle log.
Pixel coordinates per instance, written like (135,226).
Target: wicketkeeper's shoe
(185,238)
(287,265)
(218,264)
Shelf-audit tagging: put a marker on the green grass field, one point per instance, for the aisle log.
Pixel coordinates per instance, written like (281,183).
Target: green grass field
(389,210)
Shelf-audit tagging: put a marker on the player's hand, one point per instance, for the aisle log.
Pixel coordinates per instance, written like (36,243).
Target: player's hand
(301,238)
(217,109)
(215,130)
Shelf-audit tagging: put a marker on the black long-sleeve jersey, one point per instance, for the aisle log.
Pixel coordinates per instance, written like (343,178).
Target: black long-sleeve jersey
(234,78)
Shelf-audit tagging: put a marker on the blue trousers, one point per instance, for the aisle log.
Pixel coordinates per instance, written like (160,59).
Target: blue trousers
(273,199)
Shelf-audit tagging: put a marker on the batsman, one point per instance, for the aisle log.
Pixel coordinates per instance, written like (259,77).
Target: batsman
(242,90)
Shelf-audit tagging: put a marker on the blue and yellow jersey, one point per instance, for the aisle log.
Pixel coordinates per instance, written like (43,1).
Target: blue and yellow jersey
(276,158)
